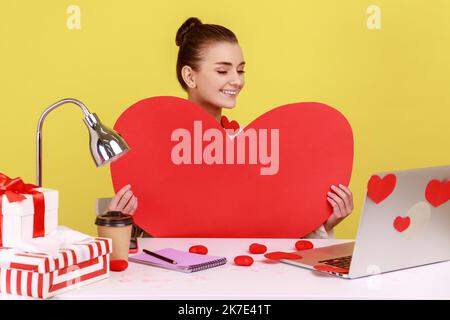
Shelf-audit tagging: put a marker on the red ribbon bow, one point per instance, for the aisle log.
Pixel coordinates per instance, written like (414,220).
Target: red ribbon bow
(14,190)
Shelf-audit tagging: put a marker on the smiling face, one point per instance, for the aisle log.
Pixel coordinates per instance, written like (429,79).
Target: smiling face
(219,78)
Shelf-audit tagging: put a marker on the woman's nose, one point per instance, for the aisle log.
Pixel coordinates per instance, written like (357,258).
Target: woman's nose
(237,80)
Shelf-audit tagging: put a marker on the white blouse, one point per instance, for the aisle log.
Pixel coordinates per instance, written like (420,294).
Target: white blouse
(320,233)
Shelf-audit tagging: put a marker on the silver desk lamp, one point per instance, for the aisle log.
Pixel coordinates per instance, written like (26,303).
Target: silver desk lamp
(106,144)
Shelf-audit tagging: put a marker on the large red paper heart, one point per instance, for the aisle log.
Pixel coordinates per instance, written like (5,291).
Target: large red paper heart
(402,223)
(437,192)
(379,189)
(233,200)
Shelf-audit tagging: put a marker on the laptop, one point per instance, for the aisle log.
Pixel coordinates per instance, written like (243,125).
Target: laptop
(405,223)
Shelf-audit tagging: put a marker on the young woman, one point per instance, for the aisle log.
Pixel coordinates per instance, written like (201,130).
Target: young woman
(210,68)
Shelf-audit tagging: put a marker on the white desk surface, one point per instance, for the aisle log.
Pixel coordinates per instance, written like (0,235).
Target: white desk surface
(262,280)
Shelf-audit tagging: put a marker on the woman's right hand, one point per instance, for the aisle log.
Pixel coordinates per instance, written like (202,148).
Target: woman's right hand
(124,201)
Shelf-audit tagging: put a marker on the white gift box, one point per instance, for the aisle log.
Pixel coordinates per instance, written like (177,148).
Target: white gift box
(17,223)
(42,276)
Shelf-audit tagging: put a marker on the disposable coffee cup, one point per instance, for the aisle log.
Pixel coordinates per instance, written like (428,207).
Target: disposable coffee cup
(116,226)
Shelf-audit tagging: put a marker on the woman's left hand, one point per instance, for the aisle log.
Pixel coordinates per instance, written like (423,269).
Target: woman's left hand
(342,202)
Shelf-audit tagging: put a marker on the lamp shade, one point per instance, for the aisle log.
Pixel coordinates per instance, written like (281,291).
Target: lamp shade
(106,144)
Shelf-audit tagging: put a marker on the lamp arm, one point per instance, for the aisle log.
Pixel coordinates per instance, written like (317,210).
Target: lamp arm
(39,133)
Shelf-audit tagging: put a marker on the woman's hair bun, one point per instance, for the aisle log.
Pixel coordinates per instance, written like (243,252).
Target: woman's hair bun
(185,28)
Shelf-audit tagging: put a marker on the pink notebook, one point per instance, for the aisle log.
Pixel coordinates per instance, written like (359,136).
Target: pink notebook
(186,261)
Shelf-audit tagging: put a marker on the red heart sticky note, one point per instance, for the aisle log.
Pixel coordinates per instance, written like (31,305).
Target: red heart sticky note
(243,261)
(402,223)
(323,267)
(303,245)
(278,255)
(379,189)
(257,248)
(437,192)
(280,196)
(199,249)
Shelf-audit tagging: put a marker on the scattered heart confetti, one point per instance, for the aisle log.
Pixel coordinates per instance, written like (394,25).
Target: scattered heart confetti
(437,192)
(199,249)
(245,261)
(379,189)
(118,265)
(323,267)
(257,248)
(303,245)
(402,223)
(278,255)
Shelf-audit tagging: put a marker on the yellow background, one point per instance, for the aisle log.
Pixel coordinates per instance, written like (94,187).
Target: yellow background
(392,84)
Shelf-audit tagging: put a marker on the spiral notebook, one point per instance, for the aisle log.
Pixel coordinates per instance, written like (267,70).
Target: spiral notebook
(186,261)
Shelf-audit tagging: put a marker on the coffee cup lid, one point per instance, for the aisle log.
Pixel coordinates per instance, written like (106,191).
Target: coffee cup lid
(114,219)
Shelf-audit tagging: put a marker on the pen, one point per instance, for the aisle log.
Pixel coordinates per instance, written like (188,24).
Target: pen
(159,257)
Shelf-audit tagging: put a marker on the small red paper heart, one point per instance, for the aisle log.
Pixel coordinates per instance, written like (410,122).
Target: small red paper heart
(257,248)
(402,223)
(243,261)
(118,265)
(199,249)
(303,245)
(233,125)
(326,268)
(278,255)
(437,192)
(379,189)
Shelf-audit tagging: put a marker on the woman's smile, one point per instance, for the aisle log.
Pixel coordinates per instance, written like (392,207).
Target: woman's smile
(230,93)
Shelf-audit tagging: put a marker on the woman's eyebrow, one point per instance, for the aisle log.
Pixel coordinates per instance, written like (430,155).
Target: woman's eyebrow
(229,63)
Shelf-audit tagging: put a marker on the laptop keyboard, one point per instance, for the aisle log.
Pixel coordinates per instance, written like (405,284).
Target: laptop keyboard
(341,262)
